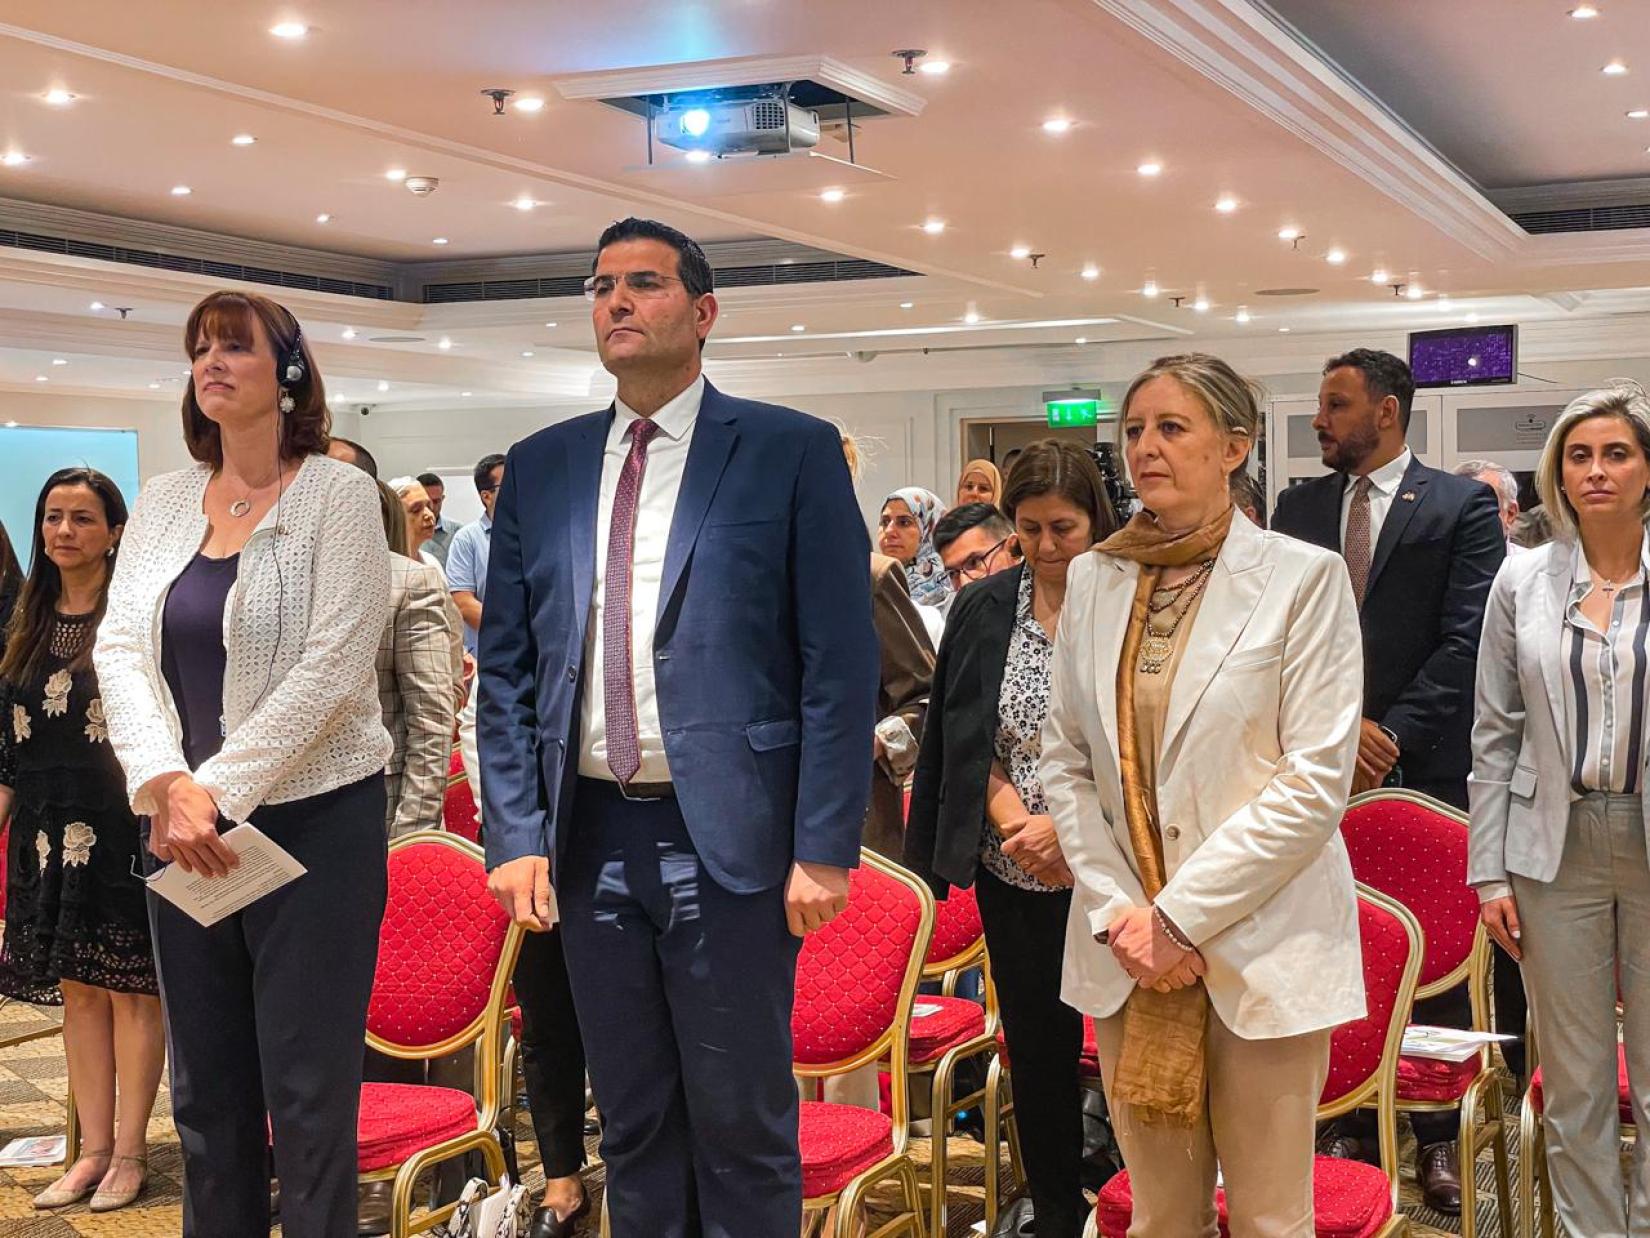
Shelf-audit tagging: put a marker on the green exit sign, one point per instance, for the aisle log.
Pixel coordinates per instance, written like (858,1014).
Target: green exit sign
(1063,413)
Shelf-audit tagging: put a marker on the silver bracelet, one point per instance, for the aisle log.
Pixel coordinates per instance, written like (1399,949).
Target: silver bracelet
(1170,931)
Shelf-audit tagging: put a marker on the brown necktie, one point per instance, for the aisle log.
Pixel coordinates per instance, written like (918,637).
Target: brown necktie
(624,754)
(1357,540)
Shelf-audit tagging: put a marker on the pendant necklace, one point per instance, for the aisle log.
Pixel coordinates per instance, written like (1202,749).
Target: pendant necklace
(1156,648)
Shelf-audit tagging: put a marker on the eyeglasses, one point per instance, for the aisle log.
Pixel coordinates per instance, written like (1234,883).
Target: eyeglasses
(487,489)
(973,567)
(641,283)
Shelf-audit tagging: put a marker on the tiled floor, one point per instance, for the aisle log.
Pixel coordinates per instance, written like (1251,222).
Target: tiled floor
(33,1085)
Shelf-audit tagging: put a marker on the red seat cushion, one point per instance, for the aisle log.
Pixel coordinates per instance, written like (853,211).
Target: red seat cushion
(1422,1078)
(398,1119)
(1349,1200)
(840,1142)
(515,1022)
(1088,1061)
(956,1020)
(1624,1099)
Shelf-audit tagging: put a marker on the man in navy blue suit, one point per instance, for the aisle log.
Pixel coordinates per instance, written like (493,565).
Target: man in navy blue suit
(678,685)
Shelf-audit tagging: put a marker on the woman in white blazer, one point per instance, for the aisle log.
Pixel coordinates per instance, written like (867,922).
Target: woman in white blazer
(236,661)
(1198,751)
(1558,792)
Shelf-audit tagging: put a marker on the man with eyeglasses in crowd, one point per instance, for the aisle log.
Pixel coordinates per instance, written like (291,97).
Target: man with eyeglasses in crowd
(974,541)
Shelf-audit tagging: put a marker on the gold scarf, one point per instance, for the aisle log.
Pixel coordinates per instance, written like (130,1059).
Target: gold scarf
(1161,1070)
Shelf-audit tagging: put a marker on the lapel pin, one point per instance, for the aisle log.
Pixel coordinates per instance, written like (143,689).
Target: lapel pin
(1408,496)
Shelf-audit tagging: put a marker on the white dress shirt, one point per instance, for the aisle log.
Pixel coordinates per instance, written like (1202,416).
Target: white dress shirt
(1383,486)
(655,506)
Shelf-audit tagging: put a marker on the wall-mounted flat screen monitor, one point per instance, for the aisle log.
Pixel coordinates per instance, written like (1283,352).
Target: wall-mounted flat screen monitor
(1464,356)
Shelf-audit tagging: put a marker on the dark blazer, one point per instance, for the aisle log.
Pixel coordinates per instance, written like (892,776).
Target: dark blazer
(765,660)
(907,674)
(1440,547)
(942,832)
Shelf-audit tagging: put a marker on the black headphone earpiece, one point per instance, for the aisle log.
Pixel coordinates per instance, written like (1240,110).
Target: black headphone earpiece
(292,367)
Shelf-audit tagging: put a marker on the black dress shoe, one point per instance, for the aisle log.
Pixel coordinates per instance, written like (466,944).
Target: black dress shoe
(546,1224)
(1342,1147)
(1440,1178)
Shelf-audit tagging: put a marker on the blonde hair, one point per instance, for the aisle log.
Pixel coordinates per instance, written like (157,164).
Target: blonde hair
(850,452)
(1231,399)
(1621,397)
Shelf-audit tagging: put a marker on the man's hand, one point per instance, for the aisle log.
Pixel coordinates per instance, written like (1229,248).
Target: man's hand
(189,829)
(1377,754)
(1501,919)
(522,888)
(1034,846)
(815,894)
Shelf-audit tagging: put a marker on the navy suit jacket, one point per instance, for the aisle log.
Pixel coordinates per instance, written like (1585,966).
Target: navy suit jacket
(765,657)
(1429,581)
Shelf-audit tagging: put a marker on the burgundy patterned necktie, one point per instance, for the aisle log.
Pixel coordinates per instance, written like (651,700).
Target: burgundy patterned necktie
(1357,540)
(624,753)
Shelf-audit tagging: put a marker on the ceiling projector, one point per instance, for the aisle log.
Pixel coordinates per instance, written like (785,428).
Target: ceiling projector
(762,126)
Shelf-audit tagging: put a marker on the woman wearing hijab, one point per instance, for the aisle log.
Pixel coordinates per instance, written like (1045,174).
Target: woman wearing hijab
(980,482)
(1201,738)
(905,531)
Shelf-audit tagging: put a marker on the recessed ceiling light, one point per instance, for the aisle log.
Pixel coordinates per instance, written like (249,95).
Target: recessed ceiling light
(181,191)
(1149,169)
(1289,234)
(11,425)
(934,227)
(551,325)
(289,30)
(41,378)
(1472,317)
(1583,12)
(971,317)
(1415,292)
(444,343)
(527,352)
(349,333)
(832,195)
(154,386)
(527,103)
(524,203)
(60,361)
(1283,330)
(1615,68)
(1378,276)
(466,394)
(1020,251)
(396,174)
(1443,302)
(1090,272)
(1081,339)
(242,139)
(383,385)
(59,98)
(1335,257)
(1201,305)
(1149,289)
(1639,113)
(14,158)
(1056,124)
(440,240)
(798,326)
(934,68)
(906,304)
(698,156)
(96,305)
(1226,205)
(323,218)
(1242,315)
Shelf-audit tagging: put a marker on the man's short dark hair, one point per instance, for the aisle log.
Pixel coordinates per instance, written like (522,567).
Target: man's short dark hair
(484,470)
(692,267)
(363,457)
(431,479)
(960,520)
(1384,375)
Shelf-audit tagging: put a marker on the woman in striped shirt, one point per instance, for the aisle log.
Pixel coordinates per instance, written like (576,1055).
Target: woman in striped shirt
(1558,794)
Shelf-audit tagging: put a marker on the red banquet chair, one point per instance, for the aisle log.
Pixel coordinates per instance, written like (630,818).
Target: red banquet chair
(856,979)
(1385,831)
(459,813)
(1350,1199)
(445,954)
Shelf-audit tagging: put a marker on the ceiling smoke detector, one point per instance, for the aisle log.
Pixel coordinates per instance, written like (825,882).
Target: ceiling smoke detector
(421,186)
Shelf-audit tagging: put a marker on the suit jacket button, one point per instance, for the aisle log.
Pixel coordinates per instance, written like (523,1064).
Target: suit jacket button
(1171,832)
(572,674)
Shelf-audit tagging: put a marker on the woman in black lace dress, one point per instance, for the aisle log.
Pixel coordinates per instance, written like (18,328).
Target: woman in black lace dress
(77,929)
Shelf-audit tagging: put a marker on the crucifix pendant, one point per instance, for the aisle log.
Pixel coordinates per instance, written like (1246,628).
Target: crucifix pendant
(1609,587)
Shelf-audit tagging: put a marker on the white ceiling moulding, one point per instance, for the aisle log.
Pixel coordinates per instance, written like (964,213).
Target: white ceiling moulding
(1252,53)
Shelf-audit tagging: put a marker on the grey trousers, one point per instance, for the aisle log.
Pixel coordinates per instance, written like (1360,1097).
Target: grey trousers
(1577,929)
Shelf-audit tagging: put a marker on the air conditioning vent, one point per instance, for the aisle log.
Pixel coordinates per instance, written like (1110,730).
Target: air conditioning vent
(753,276)
(1584,219)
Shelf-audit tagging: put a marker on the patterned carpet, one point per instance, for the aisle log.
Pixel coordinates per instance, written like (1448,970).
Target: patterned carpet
(33,1084)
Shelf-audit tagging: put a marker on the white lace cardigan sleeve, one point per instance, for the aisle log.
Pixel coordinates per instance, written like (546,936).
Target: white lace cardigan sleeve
(348,611)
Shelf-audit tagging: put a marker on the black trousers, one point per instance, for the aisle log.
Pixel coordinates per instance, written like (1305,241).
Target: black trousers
(552,1053)
(266,1014)
(1025,931)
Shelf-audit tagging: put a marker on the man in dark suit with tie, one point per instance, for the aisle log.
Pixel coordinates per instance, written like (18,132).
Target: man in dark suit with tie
(1422,547)
(678,692)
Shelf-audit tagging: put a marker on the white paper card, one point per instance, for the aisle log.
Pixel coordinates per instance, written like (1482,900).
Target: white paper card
(35,1150)
(923,1010)
(1446,1044)
(264,868)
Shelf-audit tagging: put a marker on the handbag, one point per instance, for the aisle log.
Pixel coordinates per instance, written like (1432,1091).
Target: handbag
(483,1211)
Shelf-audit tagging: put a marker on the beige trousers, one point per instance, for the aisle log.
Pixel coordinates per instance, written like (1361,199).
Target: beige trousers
(1258,1127)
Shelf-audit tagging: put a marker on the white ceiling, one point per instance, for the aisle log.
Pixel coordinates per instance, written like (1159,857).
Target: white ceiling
(1212,89)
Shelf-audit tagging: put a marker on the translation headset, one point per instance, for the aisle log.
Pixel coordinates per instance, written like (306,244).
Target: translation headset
(290,370)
